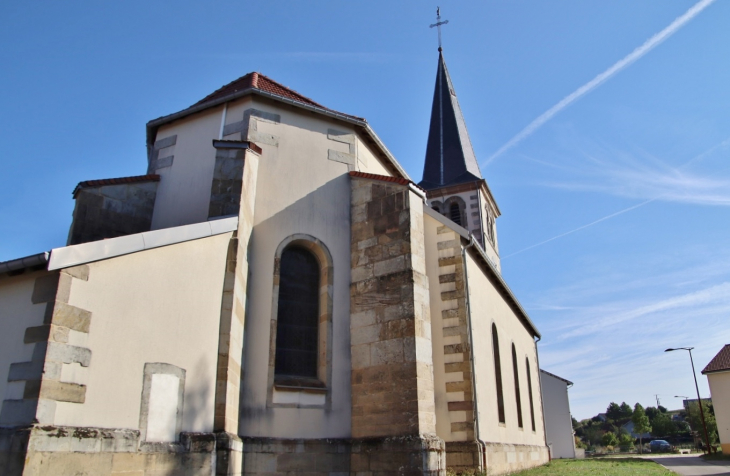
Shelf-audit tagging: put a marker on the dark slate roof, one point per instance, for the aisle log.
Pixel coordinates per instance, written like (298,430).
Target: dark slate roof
(720,362)
(450,157)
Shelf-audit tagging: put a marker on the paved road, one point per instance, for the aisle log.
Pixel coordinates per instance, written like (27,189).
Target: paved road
(693,465)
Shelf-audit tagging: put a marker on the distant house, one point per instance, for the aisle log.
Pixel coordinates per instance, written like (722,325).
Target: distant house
(629,427)
(718,376)
(602,417)
(558,422)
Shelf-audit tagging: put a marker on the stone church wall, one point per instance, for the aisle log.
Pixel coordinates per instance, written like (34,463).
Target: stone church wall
(112,210)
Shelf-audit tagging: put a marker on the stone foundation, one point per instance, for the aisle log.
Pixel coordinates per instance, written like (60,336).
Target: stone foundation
(493,458)
(60,451)
(406,455)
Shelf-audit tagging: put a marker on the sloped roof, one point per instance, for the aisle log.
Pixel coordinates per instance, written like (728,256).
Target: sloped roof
(257,81)
(564,380)
(450,156)
(115,181)
(259,84)
(720,362)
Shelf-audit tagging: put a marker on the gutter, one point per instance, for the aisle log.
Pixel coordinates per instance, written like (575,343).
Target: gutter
(542,400)
(480,443)
(25,262)
(362,123)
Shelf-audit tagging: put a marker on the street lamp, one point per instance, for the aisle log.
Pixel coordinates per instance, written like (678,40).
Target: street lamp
(699,399)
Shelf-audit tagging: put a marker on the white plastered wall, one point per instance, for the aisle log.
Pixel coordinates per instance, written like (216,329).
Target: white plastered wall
(487,307)
(443,423)
(299,191)
(17,313)
(558,421)
(183,195)
(159,306)
(720,391)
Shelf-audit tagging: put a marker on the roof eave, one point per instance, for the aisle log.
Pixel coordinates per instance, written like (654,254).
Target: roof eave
(482,256)
(363,124)
(26,262)
(560,378)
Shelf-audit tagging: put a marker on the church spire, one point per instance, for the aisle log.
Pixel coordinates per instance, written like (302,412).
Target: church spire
(450,157)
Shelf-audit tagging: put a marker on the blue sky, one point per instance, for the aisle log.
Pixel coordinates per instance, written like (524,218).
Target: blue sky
(648,148)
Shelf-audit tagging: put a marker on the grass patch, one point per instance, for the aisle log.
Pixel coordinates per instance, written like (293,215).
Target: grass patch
(599,466)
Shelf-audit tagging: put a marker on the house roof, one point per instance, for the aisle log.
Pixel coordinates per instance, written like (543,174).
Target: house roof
(450,157)
(115,181)
(719,363)
(561,378)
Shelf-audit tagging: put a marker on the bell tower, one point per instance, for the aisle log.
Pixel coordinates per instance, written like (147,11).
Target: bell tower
(451,176)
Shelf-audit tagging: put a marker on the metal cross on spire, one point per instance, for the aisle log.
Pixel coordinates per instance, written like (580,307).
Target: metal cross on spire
(438,24)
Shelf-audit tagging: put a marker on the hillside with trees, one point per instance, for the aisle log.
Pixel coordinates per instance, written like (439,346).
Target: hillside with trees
(611,430)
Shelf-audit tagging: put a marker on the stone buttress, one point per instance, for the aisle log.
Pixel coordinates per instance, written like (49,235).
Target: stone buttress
(393,410)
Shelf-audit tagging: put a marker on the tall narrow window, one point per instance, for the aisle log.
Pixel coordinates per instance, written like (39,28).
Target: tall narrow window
(455,213)
(529,389)
(498,374)
(298,314)
(518,397)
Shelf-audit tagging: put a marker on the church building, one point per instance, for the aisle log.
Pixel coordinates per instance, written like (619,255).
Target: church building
(274,295)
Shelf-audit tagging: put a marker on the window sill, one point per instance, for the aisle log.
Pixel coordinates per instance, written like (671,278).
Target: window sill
(303,384)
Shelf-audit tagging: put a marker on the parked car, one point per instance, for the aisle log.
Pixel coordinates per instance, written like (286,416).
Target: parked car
(659,446)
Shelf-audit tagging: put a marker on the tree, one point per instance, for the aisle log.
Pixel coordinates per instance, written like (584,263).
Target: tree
(609,439)
(613,412)
(641,423)
(693,418)
(626,412)
(625,441)
(662,425)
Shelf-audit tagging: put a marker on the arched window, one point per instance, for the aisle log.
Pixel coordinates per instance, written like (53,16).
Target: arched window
(455,213)
(529,390)
(498,373)
(297,321)
(518,397)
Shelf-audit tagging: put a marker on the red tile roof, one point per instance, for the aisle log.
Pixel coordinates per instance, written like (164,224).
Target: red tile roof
(258,81)
(115,181)
(385,178)
(720,362)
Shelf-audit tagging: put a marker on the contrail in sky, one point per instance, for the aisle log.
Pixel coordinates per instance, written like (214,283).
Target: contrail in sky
(621,212)
(582,227)
(603,77)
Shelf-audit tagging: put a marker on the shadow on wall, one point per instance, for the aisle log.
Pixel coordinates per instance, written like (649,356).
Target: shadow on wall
(324,214)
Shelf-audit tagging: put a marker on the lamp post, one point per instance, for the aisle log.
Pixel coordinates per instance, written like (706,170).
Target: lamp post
(699,399)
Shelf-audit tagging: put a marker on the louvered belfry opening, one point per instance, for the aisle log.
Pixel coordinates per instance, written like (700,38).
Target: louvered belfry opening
(298,314)
(455,213)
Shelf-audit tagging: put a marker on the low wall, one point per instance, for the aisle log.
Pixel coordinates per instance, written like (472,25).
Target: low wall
(61,451)
(407,455)
(493,458)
